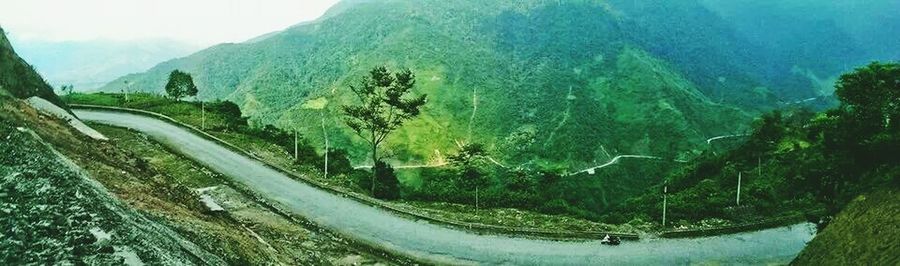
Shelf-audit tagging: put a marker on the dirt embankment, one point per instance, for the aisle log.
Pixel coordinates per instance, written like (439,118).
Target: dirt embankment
(53,213)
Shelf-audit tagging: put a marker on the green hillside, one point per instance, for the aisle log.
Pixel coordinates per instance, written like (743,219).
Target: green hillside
(865,233)
(569,83)
(809,43)
(796,162)
(19,78)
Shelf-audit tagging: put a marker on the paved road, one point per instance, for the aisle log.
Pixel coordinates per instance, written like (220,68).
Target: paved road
(614,161)
(437,244)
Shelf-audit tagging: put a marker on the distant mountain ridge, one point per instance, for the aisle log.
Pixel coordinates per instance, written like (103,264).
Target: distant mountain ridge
(808,43)
(564,83)
(91,64)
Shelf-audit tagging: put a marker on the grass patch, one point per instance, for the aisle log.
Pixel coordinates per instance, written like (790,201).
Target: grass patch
(866,232)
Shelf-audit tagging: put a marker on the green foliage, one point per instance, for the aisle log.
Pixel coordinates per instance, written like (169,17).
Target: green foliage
(543,189)
(555,84)
(67,89)
(870,99)
(338,162)
(469,163)
(795,160)
(231,114)
(180,85)
(383,108)
(386,185)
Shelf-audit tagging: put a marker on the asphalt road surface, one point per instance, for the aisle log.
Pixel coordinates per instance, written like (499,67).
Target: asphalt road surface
(438,244)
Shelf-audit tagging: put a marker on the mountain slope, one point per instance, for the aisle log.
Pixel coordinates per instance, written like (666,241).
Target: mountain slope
(808,43)
(866,232)
(53,211)
(552,82)
(19,78)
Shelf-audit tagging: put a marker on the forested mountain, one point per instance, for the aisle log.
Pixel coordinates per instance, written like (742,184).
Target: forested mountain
(809,43)
(567,83)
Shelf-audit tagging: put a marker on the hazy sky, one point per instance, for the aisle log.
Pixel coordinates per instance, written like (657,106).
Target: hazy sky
(198,22)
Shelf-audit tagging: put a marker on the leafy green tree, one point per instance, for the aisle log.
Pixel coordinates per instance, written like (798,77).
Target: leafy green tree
(469,163)
(67,89)
(861,134)
(383,108)
(231,113)
(468,156)
(180,85)
(870,96)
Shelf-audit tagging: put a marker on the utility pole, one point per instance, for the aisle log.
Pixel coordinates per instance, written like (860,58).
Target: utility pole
(758,166)
(476,200)
(738,200)
(127,86)
(202,116)
(325,134)
(665,194)
(295,145)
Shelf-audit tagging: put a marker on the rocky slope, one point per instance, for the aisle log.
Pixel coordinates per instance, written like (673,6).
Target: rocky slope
(53,212)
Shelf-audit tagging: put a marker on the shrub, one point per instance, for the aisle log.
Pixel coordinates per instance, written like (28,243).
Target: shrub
(387,186)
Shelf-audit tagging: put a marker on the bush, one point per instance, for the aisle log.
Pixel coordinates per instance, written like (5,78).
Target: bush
(338,163)
(555,206)
(387,186)
(231,114)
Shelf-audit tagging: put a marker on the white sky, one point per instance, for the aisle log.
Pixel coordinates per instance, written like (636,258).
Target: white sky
(197,22)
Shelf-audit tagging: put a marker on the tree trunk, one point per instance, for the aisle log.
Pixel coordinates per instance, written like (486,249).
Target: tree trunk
(374,165)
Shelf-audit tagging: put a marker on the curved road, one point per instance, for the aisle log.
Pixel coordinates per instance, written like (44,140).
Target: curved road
(438,244)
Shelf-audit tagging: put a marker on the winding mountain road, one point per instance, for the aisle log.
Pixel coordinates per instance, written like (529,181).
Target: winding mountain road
(437,244)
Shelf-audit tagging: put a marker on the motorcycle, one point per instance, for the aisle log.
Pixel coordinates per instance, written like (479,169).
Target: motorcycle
(611,240)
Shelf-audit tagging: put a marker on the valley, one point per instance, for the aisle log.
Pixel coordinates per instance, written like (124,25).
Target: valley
(407,132)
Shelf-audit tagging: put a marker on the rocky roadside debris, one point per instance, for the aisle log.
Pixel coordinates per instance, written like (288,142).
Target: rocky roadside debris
(52,213)
(287,241)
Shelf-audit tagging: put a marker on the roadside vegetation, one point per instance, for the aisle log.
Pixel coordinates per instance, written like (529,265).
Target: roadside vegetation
(796,161)
(866,232)
(276,146)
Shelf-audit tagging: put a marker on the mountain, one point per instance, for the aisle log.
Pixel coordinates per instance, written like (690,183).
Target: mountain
(19,78)
(91,64)
(808,43)
(566,83)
